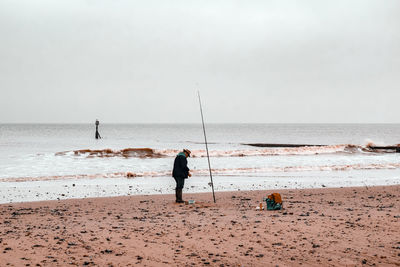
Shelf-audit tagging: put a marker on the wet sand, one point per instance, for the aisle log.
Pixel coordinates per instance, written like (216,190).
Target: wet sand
(318,227)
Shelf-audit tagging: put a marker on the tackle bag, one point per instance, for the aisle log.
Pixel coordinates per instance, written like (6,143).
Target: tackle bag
(274,202)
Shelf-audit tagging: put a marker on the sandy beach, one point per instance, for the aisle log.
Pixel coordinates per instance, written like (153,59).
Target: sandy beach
(318,227)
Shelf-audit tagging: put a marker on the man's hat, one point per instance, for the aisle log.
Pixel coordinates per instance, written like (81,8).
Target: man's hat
(187,151)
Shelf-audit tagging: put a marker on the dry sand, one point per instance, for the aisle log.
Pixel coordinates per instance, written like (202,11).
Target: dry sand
(318,227)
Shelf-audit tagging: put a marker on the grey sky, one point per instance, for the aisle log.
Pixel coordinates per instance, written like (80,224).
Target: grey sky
(253,61)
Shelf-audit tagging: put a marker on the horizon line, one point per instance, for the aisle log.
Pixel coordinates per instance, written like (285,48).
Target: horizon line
(109,123)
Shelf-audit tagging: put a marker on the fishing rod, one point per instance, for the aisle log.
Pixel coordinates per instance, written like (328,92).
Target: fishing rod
(205,140)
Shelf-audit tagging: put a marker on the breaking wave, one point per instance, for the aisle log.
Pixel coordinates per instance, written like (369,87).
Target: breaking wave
(216,172)
(126,153)
(269,151)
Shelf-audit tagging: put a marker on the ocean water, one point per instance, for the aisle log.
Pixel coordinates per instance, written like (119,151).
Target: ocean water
(49,156)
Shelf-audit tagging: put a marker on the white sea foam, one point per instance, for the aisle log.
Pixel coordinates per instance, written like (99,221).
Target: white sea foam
(159,153)
(216,172)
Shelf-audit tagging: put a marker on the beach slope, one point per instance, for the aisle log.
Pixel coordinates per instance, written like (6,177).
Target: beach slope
(318,227)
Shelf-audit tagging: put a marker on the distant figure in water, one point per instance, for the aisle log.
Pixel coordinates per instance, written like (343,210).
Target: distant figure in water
(180,173)
(97,130)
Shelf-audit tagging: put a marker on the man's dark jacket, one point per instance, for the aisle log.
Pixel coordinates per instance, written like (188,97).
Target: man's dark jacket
(181,169)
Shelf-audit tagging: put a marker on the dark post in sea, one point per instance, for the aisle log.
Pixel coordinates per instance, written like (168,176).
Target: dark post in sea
(97,136)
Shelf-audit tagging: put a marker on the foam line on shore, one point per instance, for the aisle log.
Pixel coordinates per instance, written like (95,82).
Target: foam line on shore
(215,171)
(103,187)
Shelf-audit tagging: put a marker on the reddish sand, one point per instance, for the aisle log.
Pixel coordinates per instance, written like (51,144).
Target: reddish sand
(318,227)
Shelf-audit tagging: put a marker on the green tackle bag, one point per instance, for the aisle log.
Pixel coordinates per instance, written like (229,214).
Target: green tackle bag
(274,202)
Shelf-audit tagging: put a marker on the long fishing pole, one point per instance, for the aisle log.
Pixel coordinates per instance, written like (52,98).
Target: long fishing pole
(205,140)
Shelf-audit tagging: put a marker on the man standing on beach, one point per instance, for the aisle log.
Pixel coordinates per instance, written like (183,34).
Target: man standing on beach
(180,173)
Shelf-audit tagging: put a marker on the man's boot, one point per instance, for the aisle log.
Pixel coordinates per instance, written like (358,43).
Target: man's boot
(176,195)
(179,196)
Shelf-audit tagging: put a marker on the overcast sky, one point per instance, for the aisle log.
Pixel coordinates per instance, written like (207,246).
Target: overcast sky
(253,61)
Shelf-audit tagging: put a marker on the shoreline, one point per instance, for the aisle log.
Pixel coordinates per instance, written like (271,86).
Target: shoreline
(194,194)
(324,226)
(15,192)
